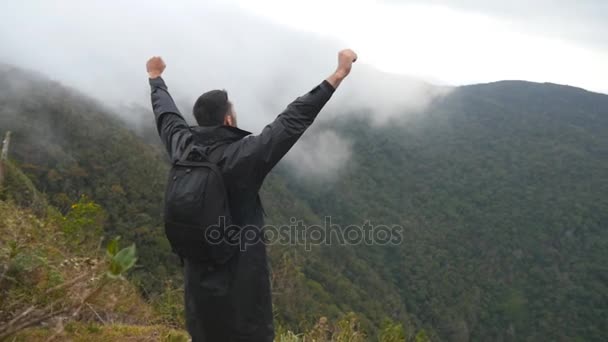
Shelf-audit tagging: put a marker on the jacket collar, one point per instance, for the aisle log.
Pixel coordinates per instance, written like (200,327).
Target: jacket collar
(214,134)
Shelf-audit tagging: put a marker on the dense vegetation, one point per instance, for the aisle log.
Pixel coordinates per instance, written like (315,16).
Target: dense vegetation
(58,283)
(56,269)
(500,189)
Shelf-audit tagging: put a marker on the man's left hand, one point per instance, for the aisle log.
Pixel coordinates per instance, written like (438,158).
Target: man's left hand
(155,67)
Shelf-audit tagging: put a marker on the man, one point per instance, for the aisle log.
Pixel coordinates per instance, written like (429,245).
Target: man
(231,301)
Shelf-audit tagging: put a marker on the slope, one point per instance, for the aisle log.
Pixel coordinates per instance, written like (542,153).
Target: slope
(501,190)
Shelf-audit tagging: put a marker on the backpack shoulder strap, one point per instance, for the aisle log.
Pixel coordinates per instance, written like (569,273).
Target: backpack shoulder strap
(186,152)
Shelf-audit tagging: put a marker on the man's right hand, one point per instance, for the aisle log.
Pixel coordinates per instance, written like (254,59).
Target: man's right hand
(346,58)
(155,67)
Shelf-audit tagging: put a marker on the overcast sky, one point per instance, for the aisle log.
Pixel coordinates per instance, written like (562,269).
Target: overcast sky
(249,42)
(267,52)
(466,41)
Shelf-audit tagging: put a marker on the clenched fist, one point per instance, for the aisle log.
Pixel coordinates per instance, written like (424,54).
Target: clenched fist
(346,58)
(155,66)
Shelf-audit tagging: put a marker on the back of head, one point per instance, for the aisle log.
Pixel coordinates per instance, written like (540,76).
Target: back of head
(211,108)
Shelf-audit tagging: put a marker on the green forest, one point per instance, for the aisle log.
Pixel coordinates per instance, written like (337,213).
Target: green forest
(500,189)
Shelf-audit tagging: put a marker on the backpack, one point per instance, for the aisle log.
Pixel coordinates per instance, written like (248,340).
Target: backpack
(197,212)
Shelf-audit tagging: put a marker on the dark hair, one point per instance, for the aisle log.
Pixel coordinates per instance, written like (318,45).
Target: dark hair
(211,108)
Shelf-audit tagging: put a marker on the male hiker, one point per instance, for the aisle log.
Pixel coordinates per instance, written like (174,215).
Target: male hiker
(227,291)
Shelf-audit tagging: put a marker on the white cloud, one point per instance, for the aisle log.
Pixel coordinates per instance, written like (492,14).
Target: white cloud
(319,155)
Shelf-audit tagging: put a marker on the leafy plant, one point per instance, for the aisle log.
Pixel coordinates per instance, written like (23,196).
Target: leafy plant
(120,261)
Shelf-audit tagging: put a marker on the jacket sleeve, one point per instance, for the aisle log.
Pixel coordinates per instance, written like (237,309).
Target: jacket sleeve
(173,130)
(255,156)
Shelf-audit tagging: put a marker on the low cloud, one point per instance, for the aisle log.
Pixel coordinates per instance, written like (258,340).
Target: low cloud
(320,155)
(384,98)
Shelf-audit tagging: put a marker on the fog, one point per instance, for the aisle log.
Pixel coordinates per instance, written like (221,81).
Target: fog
(100,48)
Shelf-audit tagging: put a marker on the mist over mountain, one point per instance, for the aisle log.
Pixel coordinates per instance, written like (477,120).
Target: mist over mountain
(207,45)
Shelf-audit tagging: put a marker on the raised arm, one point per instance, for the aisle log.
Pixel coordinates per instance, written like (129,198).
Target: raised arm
(173,129)
(257,155)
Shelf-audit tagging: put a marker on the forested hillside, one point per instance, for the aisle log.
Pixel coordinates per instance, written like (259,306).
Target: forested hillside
(63,279)
(500,188)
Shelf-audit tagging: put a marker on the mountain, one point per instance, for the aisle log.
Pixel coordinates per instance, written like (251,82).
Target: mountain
(499,188)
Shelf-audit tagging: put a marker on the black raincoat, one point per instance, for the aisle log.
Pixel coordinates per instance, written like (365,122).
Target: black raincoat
(231,302)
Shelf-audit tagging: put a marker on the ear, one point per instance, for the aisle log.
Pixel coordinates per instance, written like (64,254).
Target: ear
(228,120)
